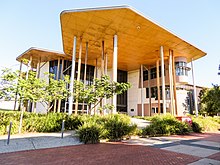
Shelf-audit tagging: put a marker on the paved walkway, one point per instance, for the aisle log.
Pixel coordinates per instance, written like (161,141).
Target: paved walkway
(33,141)
(195,149)
(141,123)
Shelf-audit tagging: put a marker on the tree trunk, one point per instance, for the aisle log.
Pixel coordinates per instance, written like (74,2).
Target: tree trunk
(21,119)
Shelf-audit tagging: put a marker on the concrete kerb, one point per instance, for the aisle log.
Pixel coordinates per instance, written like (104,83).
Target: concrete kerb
(32,141)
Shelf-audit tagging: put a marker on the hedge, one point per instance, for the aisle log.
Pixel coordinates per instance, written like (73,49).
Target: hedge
(33,122)
(166,125)
(89,128)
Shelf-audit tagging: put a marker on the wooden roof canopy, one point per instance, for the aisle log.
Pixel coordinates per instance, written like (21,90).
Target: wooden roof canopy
(41,55)
(139,38)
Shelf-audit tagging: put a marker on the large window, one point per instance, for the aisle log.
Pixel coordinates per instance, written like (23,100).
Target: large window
(153,73)
(67,70)
(181,68)
(154,93)
(122,98)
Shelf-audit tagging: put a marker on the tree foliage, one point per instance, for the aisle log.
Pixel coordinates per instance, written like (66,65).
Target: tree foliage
(102,88)
(32,88)
(210,100)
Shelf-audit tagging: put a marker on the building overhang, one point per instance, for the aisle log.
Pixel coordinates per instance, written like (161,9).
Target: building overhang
(40,55)
(139,38)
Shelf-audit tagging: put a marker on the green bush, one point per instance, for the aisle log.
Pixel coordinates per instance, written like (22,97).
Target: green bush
(207,123)
(91,132)
(118,126)
(166,125)
(33,122)
(112,127)
(5,118)
(196,127)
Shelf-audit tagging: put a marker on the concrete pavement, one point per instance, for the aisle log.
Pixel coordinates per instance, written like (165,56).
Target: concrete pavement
(33,141)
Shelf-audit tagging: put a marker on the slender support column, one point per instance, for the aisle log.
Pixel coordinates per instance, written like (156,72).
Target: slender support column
(103,59)
(61,77)
(171,82)
(96,68)
(78,74)
(142,97)
(95,76)
(158,85)
(194,89)
(58,69)
(72,77)
(174,87)
(85,70)
(115,66)
(37,69)
(28,67)
(29,108)
(16,95)
(105,72)
(86,57)
(57,77)
(102,70)
(149,87)
(163,79)
(106,63)
(37,76)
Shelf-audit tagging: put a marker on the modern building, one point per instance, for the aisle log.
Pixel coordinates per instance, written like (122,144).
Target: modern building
(129,47)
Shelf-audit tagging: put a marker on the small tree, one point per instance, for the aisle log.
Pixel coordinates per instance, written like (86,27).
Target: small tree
(31,89)
(210,100)
(55,90)
(102,88)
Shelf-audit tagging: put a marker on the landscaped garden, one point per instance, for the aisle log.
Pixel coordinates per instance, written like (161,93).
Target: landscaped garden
(95,126)
(113,127)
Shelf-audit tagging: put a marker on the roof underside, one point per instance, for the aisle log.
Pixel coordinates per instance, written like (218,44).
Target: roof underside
(40,55)
(139,39)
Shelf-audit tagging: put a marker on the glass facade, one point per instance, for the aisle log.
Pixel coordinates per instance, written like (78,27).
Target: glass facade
(154,93)
(67,70)
(181,68)
(153,73)
(122,76)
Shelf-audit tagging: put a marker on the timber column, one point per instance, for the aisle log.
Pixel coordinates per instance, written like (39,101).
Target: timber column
(114,67)
(72,77)
(163,80)
(194,89)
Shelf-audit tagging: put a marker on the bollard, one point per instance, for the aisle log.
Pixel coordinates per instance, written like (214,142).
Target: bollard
(62,129)
(9,133)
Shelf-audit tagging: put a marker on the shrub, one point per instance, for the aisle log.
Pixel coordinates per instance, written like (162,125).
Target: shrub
(196,127)
(207,123)
(33,122)
(72,122)
(91,132)
(6,117)
(113,127)
(118,126)
(166,125)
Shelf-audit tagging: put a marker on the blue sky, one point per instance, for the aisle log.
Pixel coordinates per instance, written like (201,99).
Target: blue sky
(26,24)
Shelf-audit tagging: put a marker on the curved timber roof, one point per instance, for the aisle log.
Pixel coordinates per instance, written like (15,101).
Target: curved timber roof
(139,38)
(42,55)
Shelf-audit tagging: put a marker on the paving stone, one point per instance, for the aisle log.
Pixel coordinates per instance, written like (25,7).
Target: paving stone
(191,150)
(206,161)
(215,156)
(207,143)
(98,154)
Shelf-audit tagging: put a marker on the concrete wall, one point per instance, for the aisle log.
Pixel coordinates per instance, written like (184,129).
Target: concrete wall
(8,104)
(40,107)
(134,93)
(181,98)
